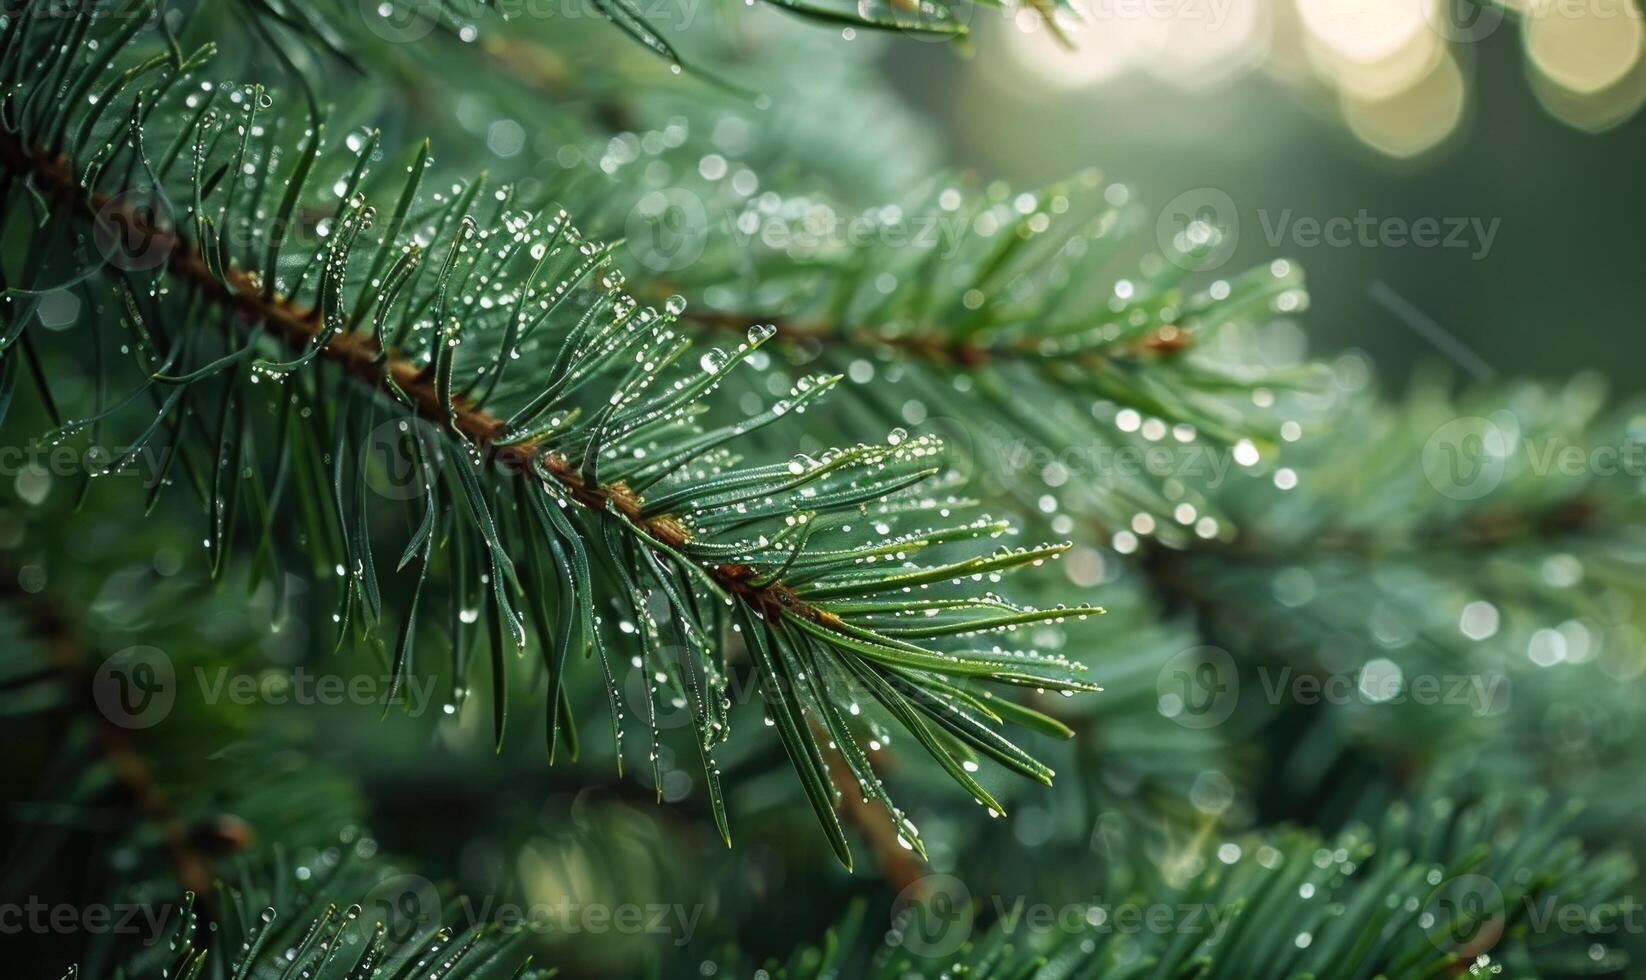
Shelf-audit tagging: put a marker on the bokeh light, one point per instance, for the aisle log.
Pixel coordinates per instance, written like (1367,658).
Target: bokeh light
(1595,111)
(1393,67)
(1414,119)
(1364,31)
(1585,46)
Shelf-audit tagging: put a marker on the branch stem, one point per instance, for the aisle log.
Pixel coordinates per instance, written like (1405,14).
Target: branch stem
(361,355)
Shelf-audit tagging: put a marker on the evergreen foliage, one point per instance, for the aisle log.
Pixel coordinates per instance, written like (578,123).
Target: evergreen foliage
(419,420)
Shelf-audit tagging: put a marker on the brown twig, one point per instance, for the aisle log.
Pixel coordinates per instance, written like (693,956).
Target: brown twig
(1484,530)
(928,345)
(47,623)
(361,356)
(899,866)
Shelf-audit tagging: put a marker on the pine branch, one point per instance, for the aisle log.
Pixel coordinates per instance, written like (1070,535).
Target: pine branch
(282,908)
(964,298)
(1049,302)
(823,608)
(1422,889)
(312,934)
(363,357)
(1378,571)
(894,857)
(931,345)
(946,18)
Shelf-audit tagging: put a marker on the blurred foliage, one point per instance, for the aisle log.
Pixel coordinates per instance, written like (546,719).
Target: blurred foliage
(1459,805)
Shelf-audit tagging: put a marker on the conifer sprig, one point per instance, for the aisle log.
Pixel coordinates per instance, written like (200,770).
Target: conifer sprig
(935,18)
(563,470)
(965,299)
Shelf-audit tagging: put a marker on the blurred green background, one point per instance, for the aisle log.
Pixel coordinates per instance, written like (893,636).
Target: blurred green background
(1307,110)
(1551,295)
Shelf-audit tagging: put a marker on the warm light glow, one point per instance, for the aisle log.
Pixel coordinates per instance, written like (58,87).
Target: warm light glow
(1092,55)
(1583,45)
(1365,31)
(1598,110)
(1209,42)
(1190,43)
(1386,77)
(1391,63)
(1414,121)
